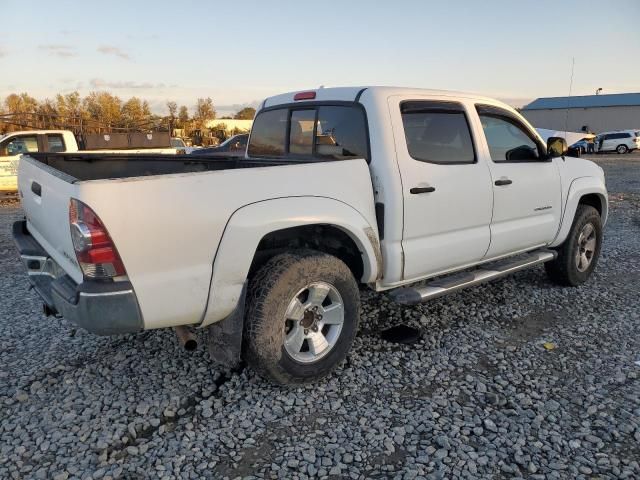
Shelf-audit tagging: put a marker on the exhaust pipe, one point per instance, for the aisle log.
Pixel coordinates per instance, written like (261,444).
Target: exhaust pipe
(186,338)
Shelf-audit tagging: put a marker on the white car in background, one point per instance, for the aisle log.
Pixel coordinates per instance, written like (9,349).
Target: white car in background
(15,144)
(621,141)
(181,146)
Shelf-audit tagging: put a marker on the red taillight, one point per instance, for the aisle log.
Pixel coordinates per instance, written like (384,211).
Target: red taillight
(95,251)
(304,96)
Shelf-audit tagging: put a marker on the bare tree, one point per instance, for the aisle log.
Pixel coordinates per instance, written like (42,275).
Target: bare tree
(205,111)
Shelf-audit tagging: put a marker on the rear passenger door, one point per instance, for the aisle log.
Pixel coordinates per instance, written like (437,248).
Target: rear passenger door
(526,184)
(447,191)
(609,142)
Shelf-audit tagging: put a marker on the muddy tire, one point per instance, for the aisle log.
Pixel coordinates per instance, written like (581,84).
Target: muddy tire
(301,318)
(578,255)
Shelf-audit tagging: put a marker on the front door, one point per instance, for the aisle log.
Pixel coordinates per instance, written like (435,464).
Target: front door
(446,189)
(526,185)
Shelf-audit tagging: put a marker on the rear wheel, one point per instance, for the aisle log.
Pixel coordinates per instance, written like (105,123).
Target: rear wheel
(578,255)
(302,316)
(622,149)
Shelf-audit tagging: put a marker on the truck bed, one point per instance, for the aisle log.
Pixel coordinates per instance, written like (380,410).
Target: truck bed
(100,166)
(168,219)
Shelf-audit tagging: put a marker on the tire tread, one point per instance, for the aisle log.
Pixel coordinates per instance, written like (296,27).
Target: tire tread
(260,355)
(562,270)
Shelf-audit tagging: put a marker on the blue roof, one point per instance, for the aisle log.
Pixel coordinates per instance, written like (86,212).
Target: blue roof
(585,101)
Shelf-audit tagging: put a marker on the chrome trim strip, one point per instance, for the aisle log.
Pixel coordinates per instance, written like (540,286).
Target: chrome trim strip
(105,294)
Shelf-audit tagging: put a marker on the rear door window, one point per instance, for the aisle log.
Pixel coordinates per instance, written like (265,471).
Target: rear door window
(437,132)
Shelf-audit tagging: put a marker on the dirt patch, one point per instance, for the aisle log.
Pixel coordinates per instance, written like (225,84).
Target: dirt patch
(396,458)
(533,326)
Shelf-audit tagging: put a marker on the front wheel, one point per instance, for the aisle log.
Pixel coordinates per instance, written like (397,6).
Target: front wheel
(302,317)
(578,255)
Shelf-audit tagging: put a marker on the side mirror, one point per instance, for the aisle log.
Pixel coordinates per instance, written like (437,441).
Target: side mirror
(557,147)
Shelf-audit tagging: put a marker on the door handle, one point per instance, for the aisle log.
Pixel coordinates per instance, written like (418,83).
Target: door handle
(415,190)
(503,181)
(36,188)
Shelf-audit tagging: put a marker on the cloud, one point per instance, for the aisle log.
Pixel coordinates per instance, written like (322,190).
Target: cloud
(59,50)
(100,83)
(3,52)
(111,50)
(153,36)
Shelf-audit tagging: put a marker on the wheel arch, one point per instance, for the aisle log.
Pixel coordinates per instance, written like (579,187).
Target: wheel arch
(586,191)
(257,231)
(327,238)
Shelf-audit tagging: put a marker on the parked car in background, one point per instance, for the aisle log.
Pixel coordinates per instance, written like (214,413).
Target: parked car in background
(15,144)
(232,147)
(580,145)
(181,147)
(622,141)
(380,186)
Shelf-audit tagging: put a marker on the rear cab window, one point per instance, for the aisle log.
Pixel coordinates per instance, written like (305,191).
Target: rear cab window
(310,131)
(55,143)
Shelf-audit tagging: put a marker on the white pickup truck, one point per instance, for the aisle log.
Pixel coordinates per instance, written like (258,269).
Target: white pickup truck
(15,144)
(379,186)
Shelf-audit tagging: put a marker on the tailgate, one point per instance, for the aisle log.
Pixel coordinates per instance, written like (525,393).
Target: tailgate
(45,194)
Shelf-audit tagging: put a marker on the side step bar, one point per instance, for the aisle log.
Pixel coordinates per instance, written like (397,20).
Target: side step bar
(455,282)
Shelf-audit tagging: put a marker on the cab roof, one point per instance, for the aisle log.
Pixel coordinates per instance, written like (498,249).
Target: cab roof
(351,93)
(34,132)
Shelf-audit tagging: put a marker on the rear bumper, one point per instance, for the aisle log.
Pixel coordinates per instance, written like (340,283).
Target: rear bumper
(101,308)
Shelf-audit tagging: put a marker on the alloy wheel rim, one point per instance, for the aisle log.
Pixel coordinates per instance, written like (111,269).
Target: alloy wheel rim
(313,322)
(587,241)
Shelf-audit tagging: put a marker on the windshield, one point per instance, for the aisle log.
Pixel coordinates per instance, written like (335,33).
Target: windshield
(235,138)
(177,143)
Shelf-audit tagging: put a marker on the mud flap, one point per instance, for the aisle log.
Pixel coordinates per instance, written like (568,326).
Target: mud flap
(224,338)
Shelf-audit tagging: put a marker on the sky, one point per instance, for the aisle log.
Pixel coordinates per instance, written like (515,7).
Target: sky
(238,53)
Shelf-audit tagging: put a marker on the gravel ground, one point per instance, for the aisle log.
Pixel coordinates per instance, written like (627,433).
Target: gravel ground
(478,397)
